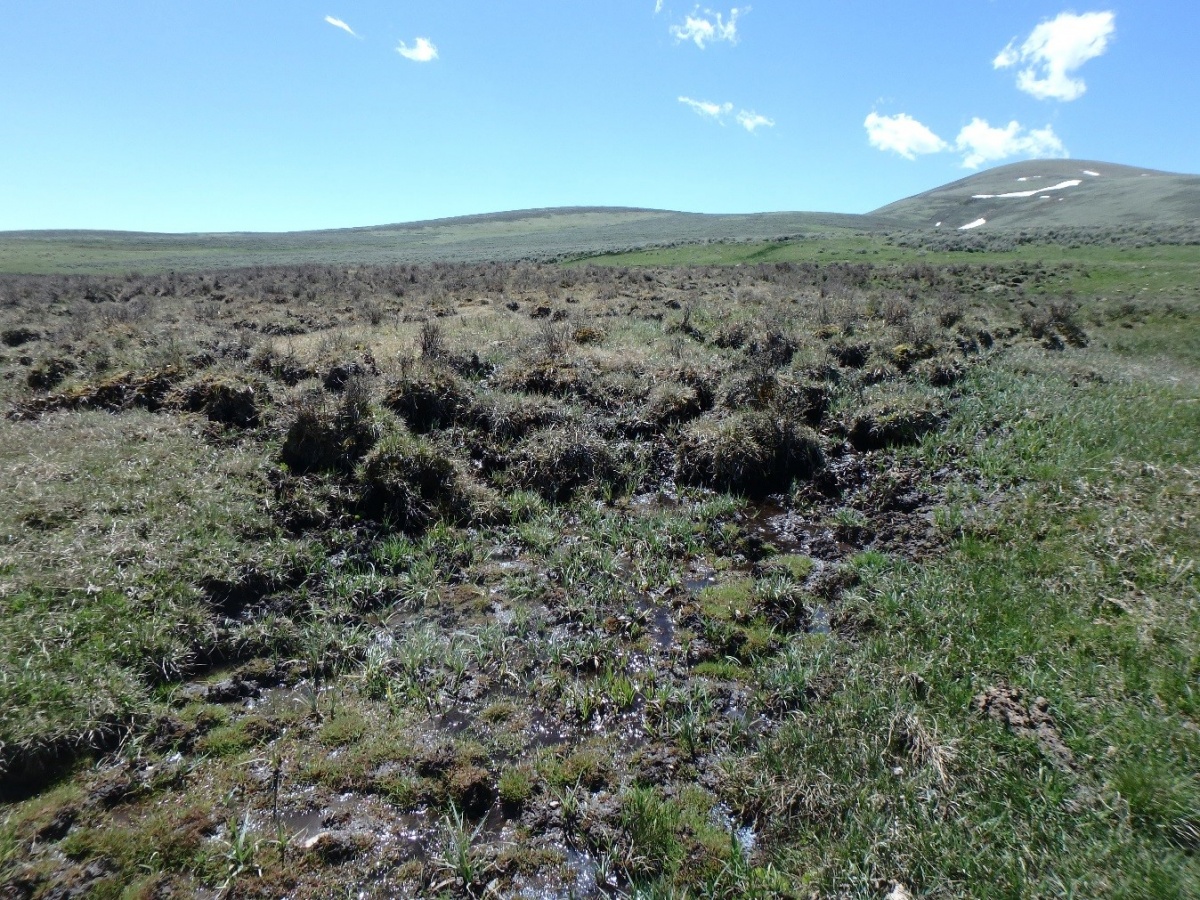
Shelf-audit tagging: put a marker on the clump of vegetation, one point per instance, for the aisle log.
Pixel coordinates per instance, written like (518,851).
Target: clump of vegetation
(410,483)
(330,435)
(124,390)
(851,354)
(557,462)
(672,403)
(471,789)
(550,375)
(49,373)
(507,417)
(18,336)
(942,371)
(429,397)
(229,401)
(1055,325)
(516,786)
(892,419)
(748,453)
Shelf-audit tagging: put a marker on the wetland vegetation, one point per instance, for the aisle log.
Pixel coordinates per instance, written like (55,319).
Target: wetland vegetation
(814,568)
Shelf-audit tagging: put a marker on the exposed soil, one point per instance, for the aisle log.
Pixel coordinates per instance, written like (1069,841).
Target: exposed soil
(1028,719)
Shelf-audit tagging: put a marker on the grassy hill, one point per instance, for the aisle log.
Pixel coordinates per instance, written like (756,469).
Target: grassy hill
(498,237)
(1054,193)
(1042,195)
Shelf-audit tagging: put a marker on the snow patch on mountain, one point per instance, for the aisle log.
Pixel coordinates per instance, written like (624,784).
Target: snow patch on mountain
(1062,185)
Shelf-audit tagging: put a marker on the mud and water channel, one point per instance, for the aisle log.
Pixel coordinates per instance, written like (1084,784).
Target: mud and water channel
(492,739)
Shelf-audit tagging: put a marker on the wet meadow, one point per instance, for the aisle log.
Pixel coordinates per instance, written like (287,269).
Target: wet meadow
(727,576)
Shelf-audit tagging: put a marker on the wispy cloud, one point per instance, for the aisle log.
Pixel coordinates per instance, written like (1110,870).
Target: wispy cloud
(982,143)
(658,6)
(752,120)
(902,134)
(710,110)
(703,28)
(338,23)
(720,112)
(1054,50)
(422,50)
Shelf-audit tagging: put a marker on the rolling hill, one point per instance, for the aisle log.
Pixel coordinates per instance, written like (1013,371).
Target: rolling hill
(1054,193)
(1036,194)
(500,237)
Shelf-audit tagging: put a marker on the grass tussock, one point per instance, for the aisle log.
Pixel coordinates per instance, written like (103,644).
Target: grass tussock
(410,483)
(749,453)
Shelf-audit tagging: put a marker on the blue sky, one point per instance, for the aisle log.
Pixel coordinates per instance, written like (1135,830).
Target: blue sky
(181,115)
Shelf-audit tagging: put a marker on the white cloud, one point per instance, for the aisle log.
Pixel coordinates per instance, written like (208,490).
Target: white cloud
(711,110)
(422,50)
(658,6)
(721,111)
(980,143)
(752,120)
(338,23)
(1054,50)
(707,27)
(902,134)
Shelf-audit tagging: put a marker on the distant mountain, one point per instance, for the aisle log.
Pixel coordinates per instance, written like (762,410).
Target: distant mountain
(1050,193)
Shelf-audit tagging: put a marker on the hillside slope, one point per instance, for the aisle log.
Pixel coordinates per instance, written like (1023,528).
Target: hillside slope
(1054,193)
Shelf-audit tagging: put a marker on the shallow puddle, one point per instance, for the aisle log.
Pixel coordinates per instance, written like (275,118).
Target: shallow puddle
(580,878)
(283,701)
(545,732)
(745,835)
(661,621)
(301,826)
(783,528)
(789,532)
(456,721)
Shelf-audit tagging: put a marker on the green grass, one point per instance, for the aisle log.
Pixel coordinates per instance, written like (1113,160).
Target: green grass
(1047,615)
(101,563)
(1123,271)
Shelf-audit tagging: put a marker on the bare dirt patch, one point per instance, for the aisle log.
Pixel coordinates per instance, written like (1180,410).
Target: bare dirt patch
(1028,718)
